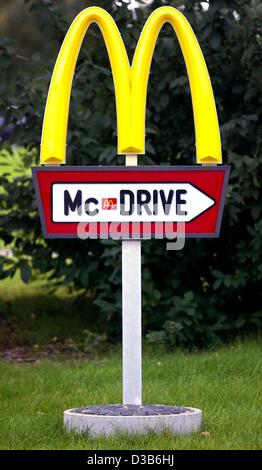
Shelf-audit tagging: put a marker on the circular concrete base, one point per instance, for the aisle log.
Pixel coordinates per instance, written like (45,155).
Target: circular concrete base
(132,419)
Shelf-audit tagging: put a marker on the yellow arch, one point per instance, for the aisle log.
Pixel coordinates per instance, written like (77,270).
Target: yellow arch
(208,145)
(130,85)
(53,142)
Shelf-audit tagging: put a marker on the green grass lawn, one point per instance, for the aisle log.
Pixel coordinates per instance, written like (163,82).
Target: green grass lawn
(225,384)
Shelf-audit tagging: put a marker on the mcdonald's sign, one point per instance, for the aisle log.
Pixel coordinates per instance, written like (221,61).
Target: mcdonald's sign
(140,199)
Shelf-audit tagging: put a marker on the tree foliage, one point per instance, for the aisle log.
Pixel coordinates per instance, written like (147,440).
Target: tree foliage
(209,291)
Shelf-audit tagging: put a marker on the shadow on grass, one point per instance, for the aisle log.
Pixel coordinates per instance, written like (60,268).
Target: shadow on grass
(33,320)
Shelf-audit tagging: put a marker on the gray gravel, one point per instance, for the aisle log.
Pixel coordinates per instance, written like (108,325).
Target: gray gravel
(131,410)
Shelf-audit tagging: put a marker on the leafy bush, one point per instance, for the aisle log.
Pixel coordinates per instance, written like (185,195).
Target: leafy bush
(210,291)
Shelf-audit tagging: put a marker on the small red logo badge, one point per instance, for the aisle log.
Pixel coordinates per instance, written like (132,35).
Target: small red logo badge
(109,203)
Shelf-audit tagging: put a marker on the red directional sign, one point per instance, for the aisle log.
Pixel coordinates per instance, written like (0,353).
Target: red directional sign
(130,202)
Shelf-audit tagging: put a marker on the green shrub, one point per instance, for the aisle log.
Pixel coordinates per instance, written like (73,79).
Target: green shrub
(211,290)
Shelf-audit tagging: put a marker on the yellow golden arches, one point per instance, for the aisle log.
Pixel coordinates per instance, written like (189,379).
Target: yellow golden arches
(53,143)
(208,146)
(130,85)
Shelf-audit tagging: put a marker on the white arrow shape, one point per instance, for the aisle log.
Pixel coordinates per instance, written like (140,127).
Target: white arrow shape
(197,202)
(159,202)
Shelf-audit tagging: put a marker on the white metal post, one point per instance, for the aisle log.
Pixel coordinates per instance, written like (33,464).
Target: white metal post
(131,316)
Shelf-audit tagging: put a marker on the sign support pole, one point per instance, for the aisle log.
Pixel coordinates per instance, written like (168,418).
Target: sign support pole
(131,316)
